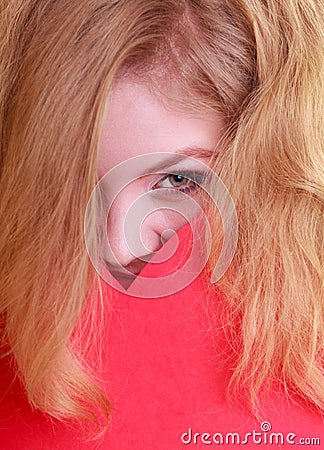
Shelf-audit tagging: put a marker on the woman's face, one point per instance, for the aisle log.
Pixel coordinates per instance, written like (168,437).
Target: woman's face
(138,123)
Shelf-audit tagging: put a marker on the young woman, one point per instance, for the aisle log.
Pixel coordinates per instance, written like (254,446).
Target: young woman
(91,86)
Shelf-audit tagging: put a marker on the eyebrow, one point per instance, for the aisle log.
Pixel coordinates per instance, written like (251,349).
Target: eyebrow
(178,156)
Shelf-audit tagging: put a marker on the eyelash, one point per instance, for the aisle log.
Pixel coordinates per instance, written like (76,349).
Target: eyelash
(195,180)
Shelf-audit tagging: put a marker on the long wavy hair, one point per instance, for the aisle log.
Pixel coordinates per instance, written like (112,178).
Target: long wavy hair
(259,63)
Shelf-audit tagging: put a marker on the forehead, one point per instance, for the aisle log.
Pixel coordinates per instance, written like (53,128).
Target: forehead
(138,122)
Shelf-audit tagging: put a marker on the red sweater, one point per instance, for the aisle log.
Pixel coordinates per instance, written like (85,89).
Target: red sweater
(163,376)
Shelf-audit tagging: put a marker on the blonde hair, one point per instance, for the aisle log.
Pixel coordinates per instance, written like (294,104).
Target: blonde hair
(257,62)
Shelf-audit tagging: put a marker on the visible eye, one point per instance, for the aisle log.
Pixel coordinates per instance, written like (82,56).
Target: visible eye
(187,182)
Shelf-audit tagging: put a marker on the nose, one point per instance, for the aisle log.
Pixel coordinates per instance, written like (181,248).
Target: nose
(134,238)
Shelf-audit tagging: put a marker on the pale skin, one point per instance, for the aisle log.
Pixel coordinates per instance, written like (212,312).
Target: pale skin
(137,123)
